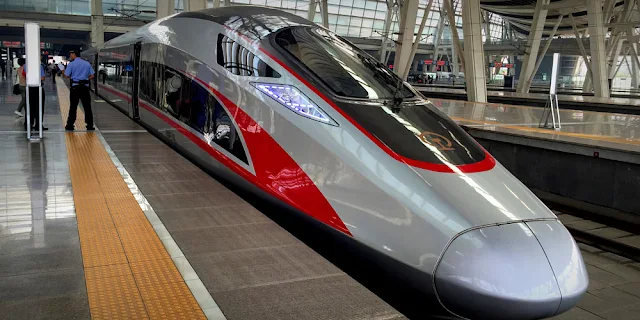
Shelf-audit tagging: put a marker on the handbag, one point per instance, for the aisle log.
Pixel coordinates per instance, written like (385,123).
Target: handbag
(16,89)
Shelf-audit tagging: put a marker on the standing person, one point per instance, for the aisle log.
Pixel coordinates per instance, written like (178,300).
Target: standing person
(80,72)
(34,113)
(22,84)
(54,72)
(3,66)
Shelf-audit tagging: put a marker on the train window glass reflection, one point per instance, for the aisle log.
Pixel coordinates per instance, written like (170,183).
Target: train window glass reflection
(190,103)
(219,129)
(347,70)
(240,61)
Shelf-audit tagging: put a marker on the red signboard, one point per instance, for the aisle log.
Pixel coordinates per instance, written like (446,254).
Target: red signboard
(497,64)
(11,44)
(428,62)
(440,62)
(509,65)
(390,66)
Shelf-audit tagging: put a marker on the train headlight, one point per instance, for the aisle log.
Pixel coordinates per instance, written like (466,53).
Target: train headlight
(295,100)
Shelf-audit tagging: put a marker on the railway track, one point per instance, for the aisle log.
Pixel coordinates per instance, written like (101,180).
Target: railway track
(601,231)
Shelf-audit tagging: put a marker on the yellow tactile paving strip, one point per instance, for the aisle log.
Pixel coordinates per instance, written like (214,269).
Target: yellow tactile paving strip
(128,272)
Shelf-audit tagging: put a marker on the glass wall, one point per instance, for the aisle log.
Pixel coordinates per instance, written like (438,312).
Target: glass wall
(352,18)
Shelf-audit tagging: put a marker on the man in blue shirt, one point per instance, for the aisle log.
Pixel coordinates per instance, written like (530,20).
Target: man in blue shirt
(33,100)
(80,72)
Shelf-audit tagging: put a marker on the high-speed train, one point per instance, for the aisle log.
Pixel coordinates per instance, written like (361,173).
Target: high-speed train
(294,113)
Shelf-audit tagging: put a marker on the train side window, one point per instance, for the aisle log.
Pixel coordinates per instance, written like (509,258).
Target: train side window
(172,90)
(218,127)
(240,61)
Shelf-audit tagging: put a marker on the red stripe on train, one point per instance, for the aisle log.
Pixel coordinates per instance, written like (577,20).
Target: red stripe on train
(276,172)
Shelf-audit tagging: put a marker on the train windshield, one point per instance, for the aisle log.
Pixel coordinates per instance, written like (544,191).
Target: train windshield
(345,69)
(418,132)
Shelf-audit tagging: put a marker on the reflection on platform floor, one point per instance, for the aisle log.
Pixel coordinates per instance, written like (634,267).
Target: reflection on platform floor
(606,130)
(538,96)
(41,274)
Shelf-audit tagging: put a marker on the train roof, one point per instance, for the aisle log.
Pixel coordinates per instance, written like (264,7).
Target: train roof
(253,22)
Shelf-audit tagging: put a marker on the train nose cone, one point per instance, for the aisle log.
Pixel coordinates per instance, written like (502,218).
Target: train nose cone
(565,260)
(503,272)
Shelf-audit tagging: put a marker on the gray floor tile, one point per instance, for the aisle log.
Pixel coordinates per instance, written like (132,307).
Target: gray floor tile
(155,188)
(596,285)
(39,243)
(42,285)
(585,247)
(54,260)
(263,266)
(169,176)
(598,259)
(228,238)
(611,233)
(632,288)
(67,307)
(193,200)
(577,314)
(621,314)
(183,219)
(304,300)
(605,277)
(584,225)
(616,296)
(618,259)
(623,271)
(596,305)
(632,241)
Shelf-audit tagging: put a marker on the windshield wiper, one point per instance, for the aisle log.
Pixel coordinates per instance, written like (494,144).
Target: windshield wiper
(377,67)
(398,98)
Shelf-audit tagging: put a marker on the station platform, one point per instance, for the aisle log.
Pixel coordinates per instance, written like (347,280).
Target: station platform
(608,131)
(626,105)
(590,149)
(114,224)
(616,93)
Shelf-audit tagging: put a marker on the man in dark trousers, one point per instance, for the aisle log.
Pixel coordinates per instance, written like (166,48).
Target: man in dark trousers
(80,72)
(34,97)
(3,66)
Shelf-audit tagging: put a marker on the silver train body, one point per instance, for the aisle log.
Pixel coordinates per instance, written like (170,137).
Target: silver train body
(290,111)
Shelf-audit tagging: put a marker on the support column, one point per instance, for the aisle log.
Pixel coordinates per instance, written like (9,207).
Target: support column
(195,5)
(408,16)
(473,51)
(324,10)
(599,74)
(165,8)
(216,3)
(634,73)
(487,26)
(614,58)
(97,23)
(586,86)
(533,45)
(454,31)
(453,61)
(416,42)
(436,41)
(623,60)
(385,33)
(543,53)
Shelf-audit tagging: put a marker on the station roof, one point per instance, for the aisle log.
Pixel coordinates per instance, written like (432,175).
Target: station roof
(519,13)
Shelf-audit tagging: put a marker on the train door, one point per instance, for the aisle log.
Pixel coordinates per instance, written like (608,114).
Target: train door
(135,112)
